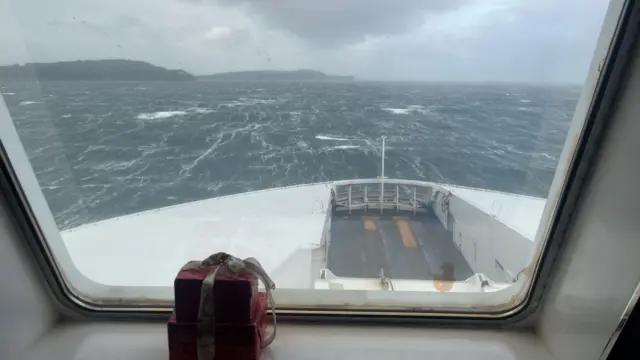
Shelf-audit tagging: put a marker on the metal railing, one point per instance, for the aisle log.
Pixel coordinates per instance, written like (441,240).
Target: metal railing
(381,195)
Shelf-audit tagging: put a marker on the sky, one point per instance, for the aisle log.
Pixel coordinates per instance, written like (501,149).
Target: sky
(403,40)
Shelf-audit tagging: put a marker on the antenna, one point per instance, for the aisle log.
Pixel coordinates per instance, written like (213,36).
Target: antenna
(382,175)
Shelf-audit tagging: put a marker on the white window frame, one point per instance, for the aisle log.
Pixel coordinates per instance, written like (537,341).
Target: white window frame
(605,78)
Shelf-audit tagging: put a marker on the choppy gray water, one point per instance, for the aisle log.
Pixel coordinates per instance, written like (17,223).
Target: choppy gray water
(104,149)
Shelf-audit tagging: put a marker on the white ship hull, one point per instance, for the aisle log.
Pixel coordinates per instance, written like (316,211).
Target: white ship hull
(350,235)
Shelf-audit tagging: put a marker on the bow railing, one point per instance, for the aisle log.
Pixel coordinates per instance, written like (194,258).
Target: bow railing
(382,195)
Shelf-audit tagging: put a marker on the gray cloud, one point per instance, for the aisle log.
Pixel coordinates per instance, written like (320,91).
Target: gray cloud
(477,40)
(337,22)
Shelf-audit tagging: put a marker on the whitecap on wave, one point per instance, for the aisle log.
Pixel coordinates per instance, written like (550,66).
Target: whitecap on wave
(199,110)
(406,111)
(344,147)
(330,137)
(397,111)
(160,115)
(114,165)
(168,114)
(249,102)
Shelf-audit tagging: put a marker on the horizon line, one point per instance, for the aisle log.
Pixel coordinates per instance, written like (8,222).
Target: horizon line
(355,78)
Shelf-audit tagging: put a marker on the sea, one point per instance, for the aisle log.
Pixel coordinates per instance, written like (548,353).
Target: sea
(106,149)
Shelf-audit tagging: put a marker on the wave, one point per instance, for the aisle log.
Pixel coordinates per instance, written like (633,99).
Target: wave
(66,115)
(8,93)
(397,111)
(525,101)
(280,141)
(406,111)
(114,165)
(544,155)
(160,115)
(199,110)
(249,102)
(343,147)
(23,103)
(331,137)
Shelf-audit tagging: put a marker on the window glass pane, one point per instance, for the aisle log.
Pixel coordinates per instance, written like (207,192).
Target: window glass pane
(389,154)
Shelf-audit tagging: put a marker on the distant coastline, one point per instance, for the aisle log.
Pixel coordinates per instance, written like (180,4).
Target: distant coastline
(132,70)
(303,75)
(93,70)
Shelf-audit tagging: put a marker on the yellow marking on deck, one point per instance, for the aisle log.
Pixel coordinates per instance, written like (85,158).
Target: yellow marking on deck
(443,285)
(406,234)
(370,223)
(444,282)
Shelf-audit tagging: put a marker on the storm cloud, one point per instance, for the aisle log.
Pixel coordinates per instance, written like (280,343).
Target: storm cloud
(336,22)
(412,40)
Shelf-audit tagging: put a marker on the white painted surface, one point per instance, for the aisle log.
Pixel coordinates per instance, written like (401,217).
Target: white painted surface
(472,285)
(471,225)
(276,226)
(485,230)
(26,312)
(599,269)
(439,210)
(519,212)
(280,226)
(511,249)
(319,342)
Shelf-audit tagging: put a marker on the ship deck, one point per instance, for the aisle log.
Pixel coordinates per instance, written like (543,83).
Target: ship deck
(404,245)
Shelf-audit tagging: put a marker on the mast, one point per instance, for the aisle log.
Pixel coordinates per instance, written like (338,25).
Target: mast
(382,175)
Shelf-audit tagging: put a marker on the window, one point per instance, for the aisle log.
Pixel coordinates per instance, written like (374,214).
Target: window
(344,144)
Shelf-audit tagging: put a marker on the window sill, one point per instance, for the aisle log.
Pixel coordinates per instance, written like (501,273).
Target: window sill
(142,341)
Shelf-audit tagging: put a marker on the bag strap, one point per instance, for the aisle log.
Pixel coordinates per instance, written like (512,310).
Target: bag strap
(206,313)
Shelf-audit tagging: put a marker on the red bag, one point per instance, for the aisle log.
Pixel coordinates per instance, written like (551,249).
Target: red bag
(232,341)
(234,295)
(219,312)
